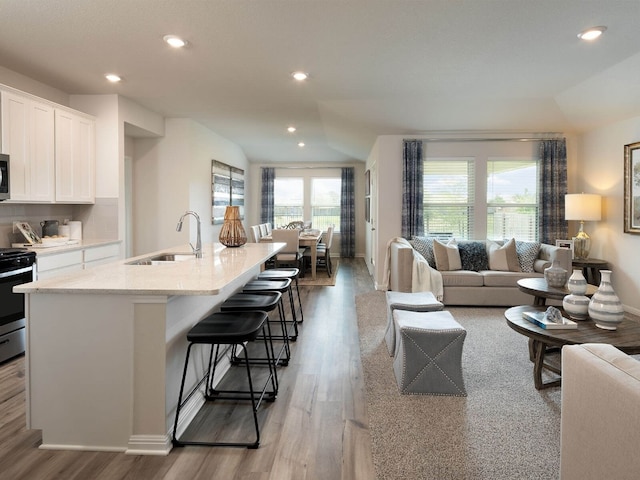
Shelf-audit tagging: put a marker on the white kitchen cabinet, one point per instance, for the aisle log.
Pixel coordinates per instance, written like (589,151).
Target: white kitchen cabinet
(74,157)
(56,264)
(28,138)
(94,256)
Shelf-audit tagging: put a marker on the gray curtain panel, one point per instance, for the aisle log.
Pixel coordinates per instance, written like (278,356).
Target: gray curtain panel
(347,214)
(553,168)
(266,210)
(412,189)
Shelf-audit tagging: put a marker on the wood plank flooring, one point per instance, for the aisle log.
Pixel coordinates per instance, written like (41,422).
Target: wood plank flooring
(316,429)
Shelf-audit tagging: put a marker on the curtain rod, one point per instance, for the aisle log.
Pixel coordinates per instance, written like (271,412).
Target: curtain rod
(521,139)
(308,168)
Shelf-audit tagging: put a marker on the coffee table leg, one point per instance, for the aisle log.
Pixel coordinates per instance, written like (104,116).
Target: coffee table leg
(539,349)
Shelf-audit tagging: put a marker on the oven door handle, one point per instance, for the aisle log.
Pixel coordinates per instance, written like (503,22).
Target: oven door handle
(19,271)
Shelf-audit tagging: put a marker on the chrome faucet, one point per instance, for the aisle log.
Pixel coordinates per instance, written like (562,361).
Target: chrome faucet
(197,250)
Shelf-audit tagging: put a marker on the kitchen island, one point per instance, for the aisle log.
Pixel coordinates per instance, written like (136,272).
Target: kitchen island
(105,346)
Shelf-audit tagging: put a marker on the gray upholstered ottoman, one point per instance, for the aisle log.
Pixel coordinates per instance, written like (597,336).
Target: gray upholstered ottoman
(415,302)
(428,353)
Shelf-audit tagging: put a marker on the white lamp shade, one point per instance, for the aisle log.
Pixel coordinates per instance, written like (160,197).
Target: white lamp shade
(583,206)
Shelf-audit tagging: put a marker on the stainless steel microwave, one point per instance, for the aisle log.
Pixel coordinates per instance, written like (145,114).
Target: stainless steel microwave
(4,177)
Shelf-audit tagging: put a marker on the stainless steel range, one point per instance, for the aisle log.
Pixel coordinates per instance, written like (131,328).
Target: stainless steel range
(16,267)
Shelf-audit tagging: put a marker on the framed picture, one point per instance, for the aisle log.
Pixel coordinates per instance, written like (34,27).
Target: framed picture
(367,209)
(227,188)
(632,188)
(565,244)
(367,183)
(28,233)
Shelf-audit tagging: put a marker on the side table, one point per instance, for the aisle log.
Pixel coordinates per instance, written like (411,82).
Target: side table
(591,268)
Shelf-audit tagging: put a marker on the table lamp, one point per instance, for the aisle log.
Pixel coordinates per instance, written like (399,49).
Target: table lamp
(582,207)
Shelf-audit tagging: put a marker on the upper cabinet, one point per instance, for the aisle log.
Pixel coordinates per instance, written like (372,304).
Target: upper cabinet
(51,149)
(75,158)
(28,138)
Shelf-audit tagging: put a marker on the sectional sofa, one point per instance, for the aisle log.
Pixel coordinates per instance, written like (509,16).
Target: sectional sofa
(484,274)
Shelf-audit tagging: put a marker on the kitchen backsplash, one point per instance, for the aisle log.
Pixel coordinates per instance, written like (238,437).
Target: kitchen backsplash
(99,221)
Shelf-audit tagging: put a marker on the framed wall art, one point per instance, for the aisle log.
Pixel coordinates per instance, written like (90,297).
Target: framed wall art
(632,188)
(227,188)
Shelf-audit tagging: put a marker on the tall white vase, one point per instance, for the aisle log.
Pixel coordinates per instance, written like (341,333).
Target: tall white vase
(605,308)
(576,305)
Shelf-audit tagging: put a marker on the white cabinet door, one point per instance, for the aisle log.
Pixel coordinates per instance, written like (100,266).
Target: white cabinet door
(28,138)
(75,158)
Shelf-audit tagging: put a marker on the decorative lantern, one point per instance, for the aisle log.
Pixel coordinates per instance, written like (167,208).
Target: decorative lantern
(232,233)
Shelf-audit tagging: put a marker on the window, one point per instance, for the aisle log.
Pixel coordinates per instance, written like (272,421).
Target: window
(512,199)
(458,203)
(288,200)
(325,203)
(449,197)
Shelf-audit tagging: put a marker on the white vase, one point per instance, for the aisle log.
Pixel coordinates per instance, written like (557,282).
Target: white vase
(577,284)
(605,308)
(555,275)
(576,306)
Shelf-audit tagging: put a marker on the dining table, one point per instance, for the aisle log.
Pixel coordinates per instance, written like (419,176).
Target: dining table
(306,239)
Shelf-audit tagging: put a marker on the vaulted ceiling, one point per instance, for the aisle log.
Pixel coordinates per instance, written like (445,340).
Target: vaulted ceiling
(376,67)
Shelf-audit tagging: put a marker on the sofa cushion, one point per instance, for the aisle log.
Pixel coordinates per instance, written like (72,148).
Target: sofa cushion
(462,278)
(495,278)
(527,254)
(447,256)
(424,246)
(504,258)
(473,256)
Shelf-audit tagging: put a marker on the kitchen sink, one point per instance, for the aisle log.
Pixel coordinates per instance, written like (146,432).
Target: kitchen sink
(163,258)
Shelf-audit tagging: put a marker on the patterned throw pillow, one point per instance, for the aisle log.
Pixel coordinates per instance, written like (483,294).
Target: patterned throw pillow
(504,258)
(527,254)
(473,256)
(424,246)
(447,255)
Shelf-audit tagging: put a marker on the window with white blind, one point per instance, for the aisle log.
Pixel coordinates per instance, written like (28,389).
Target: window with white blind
(449,185)
(325,203)
(512,199)
(459,203)
(288,200)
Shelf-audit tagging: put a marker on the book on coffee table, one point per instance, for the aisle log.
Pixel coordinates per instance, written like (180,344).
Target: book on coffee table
(539,319)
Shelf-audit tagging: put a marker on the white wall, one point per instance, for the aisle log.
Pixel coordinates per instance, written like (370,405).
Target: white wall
(172,174)
(601,170)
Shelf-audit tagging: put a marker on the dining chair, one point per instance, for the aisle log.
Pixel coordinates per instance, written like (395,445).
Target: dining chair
(255,232)
(323,252)
(292,254)
(268,225)
(263,229)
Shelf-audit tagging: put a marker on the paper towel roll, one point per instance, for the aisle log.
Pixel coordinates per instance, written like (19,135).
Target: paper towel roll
(75,230)
(64,230)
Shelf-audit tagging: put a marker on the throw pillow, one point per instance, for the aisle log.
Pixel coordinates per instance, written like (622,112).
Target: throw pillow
(447,256)
(473,256)
(504,258)
(424,246)
(527,254)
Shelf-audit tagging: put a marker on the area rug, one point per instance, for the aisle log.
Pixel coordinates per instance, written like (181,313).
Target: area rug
(322,279)
(503,429)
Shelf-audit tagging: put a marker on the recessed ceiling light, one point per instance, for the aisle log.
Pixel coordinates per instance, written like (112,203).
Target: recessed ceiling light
(112,77)
(300,76)
(301,144)
(174,41)
(591,33)
(291,129)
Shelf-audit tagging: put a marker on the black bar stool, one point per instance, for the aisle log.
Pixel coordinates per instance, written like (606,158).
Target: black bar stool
(283,274)
(282,286)
(265,302)
(228,329)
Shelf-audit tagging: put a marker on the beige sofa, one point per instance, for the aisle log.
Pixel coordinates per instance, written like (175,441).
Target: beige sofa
(600,420)
(465,287)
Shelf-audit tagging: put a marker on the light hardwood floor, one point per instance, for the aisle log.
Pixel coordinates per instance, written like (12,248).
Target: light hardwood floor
(316,429)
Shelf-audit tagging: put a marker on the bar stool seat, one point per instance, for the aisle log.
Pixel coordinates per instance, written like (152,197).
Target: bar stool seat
(282,286)
(266,302)
(227,329)
(282,274)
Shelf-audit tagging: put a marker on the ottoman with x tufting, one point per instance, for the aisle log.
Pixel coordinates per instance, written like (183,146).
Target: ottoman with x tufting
(428,353)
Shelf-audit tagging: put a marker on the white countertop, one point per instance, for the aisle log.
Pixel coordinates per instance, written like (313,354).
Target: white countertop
(217,268)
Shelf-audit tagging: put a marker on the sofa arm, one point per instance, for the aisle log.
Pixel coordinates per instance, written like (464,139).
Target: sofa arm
(400,267)
(600,420)
(549,253)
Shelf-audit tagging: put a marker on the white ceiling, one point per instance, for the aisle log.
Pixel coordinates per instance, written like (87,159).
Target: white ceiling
(377,67)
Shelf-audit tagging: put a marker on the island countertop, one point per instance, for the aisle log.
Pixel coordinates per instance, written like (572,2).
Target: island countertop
(217,268)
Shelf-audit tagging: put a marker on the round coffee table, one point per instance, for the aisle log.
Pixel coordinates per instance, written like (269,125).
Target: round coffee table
(540,290)
(626,338)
